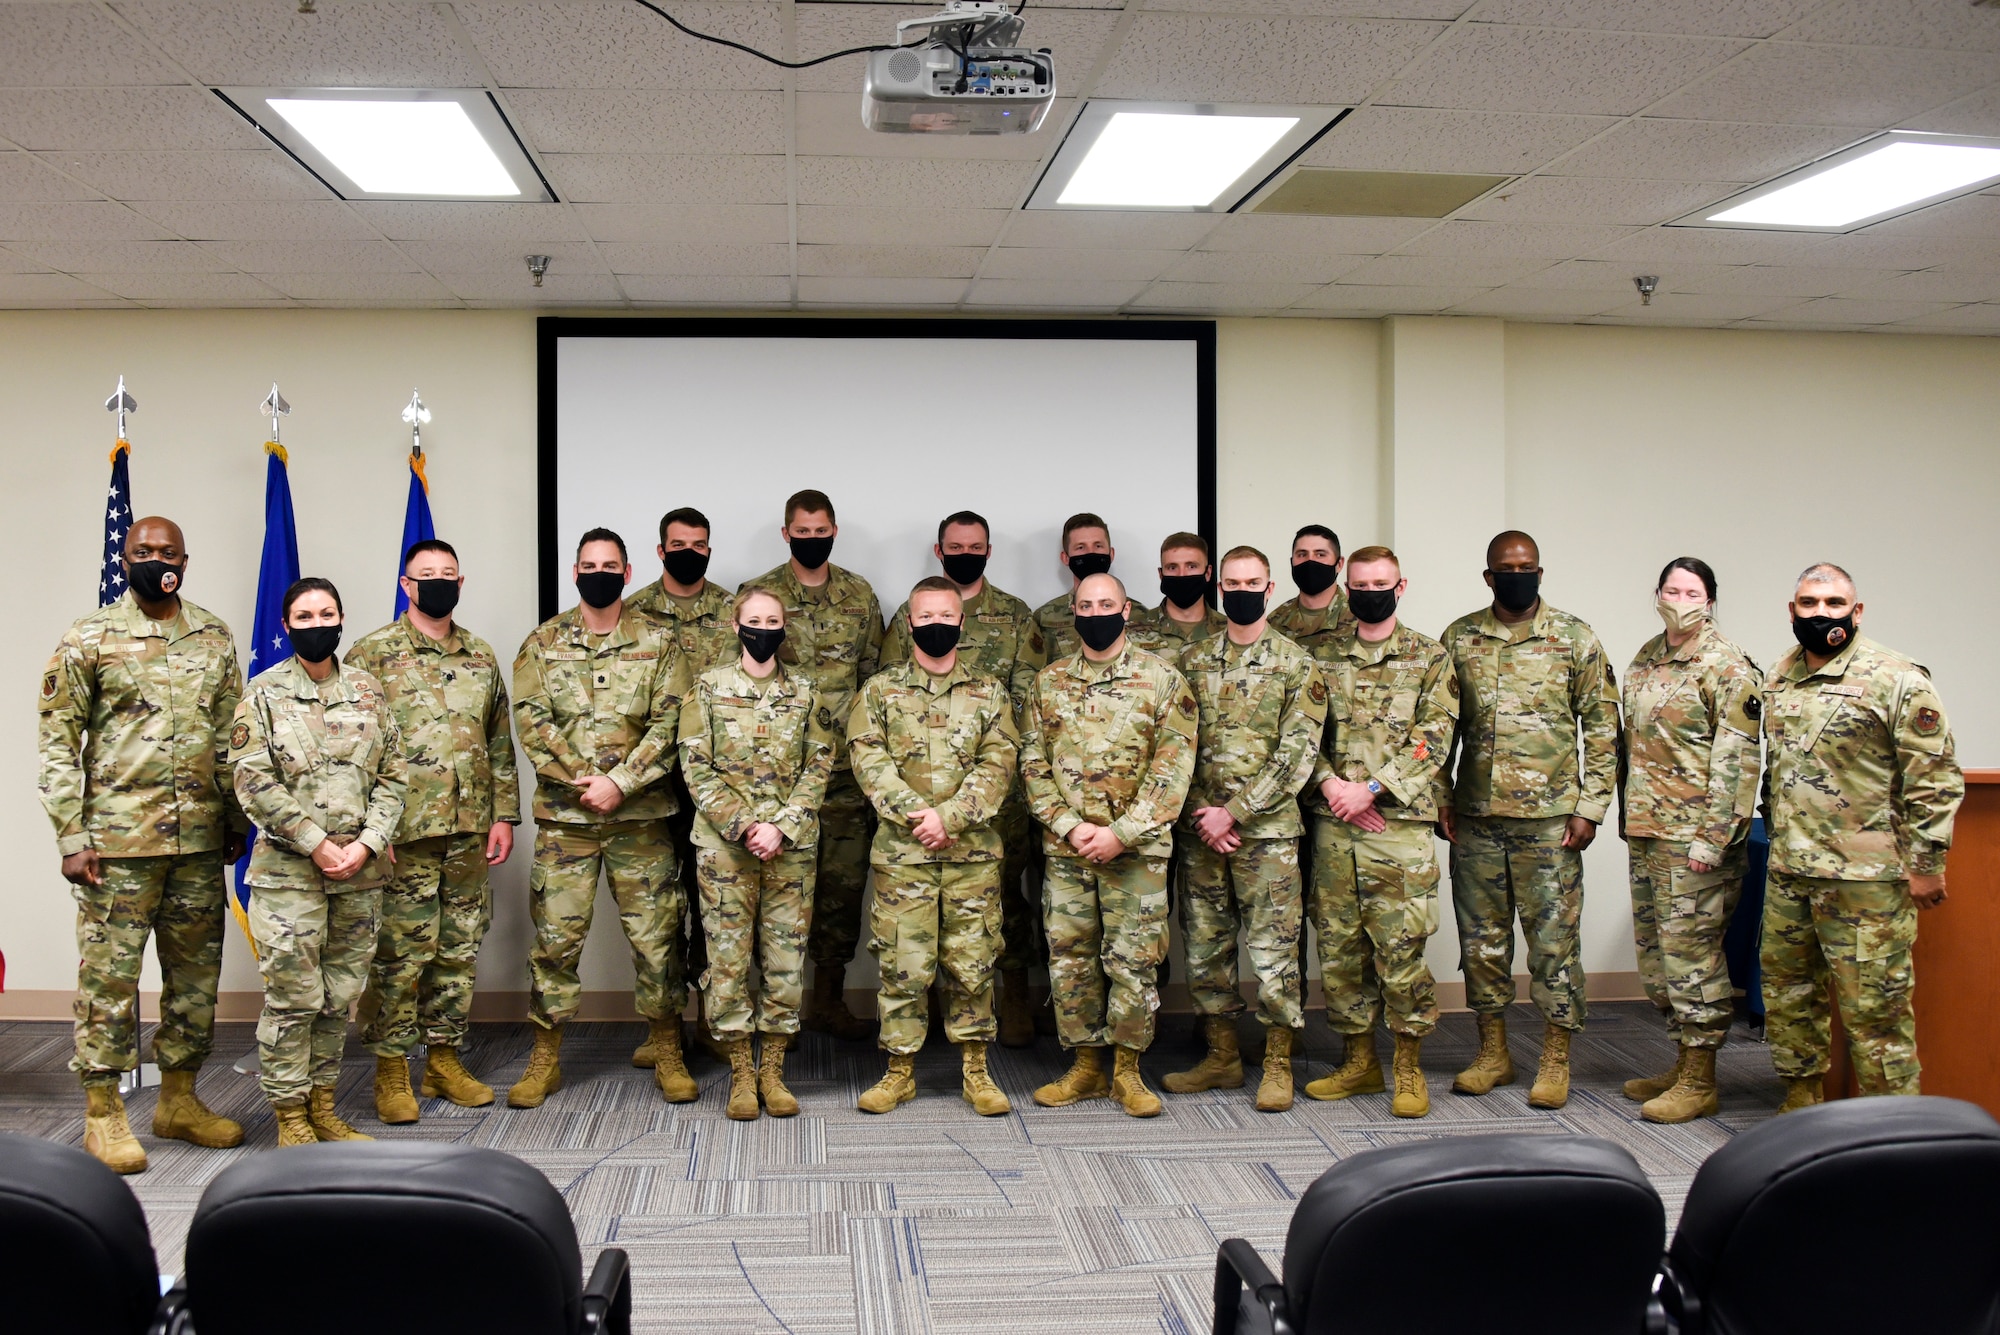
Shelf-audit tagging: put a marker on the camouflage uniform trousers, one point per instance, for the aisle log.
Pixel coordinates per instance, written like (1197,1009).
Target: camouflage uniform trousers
(313,949)
(846,827)
(1859,934)
(637,858)
(1021,941)
(1255,891)
(936,920)
(435,912)
(690,954)
(179,901)
(1107,930)
(1503,867)
(759,913)
(1679,918)
(1374,905)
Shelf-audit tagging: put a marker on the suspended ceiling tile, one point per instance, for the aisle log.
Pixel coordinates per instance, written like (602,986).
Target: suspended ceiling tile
(1694,18)
(651,178)
(289,221)
(1718,307)
(1581,276)
(603,120)
(1076,36)
(74,45)
(64,220)
(911,226)
(359,286)
(1550,241)
(1262,266)
(569,289)
(1830,85)
(925,262)
(122,256)
(262,257)
(1034,293)
(185,287)
(1974,216)
(707,291)
(1088,228)
(1658,247)
(1441,10)
(1539,303)
(829,124)
(28,290)
(1048,264)
(917,182)
(1589,199)
(1930,285)
(1442,271)
(616,44)
(1402,298)
(342,44)
(1776,280)
(1229,298)
(1938,24)
(25,178)
(1697,150)
(1975,319)
(1840,310)
(1869,250)
(10,262)
(1333,236)
(101,119)
(209,176)
(842,291)
(454,221)
(1421,139)
(1485,68)
(500,257)
(1232,58)
(754,259)
(1977,114)
(686,223)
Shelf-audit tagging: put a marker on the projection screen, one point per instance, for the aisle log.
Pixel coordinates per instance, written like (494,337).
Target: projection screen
(900,422)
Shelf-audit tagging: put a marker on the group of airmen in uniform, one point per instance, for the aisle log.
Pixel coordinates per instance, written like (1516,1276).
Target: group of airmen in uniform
(1023,784)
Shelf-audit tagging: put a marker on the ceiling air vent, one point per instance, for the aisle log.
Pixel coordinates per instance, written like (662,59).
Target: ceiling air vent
(1328,192)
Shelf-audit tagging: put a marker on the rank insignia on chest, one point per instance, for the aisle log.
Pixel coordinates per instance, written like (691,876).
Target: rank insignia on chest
(239,736)
(1927,721)
(763,730)
(48,686)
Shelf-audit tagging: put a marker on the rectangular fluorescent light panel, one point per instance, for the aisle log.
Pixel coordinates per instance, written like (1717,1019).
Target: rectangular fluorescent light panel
(1890,175)
(1184,157)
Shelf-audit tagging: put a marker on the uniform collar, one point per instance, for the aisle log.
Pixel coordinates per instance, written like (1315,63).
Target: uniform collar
(1349,644)
(1793,666)
(1084,670)
(299,683)
(834,590)
(140,626)
(1536,627)
(917,675)
(1161,617)
(424,644)
(670,603)
(625,632)
(779,682)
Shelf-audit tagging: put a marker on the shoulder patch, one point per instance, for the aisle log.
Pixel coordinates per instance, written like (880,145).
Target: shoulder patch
(239,736)
(1187,705)
(51,683)
(1317,691)
(1451,684)
(1035,640)
(1927,721)
(825,717)
(1753,707)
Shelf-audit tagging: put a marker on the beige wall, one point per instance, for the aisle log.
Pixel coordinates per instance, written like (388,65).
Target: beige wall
(1617,448)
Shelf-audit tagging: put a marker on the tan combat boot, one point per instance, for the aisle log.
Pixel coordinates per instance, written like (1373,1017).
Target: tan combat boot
(826,1008)
(1017,1018)
(743,1106)
(544,1074)
(1693,1095)
(976,1083)
(325,1122)
(897,1086)
(778,1101)
(1084,1080)
(294,1127)
(1220,1068)
(1493,1065)
(670,1071)
(106,1133)
(1798,1093)
(1551,1087)
(445,1077)
(181,1115)
(1643,1087)
(642,1056)
(395,1104)
(1274,1091)
(1413,1092)
(1361,1073)
(1128,1086)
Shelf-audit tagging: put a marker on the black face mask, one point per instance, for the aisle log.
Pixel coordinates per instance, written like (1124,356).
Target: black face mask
(600,588)
(1244,606)
(1314,577)
(936,638)
(811,552)
(963,568)
(760,642)
(315,644)
(436,597)
(1371,607)
(1823,636)
(1100,633)
(1184,591)
(1085,564)
(155,581)
(685,565)
(1515,590)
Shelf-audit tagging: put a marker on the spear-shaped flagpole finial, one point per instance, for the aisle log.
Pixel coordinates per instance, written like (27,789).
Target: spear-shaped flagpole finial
(121,403)
(416,415)
(275,407)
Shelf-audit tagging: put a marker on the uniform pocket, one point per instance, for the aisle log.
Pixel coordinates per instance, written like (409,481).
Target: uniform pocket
(1885,936)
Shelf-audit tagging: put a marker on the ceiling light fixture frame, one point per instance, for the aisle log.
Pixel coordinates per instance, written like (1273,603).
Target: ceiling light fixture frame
(1096,114)
(1874,143)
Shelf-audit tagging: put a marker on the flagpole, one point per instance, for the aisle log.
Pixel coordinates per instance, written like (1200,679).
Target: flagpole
(417,525)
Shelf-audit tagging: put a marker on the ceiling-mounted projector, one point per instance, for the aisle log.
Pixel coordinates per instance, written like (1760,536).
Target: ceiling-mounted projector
(970,76)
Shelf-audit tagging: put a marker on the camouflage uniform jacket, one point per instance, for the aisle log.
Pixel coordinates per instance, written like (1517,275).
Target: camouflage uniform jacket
(947,743)
(1110,743)
(1391,718)
(1689,762)
(316,760)
(450,704)
(1000,639)
(1862,781)
(1523,689)
(608,705)
(1262,710)
(701,627)
(833,634)
(1157,633)
(134,717)
(1315,629)
(1057,618)
(756,753)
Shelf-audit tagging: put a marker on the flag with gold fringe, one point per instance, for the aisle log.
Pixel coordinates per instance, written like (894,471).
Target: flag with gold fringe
(269,645)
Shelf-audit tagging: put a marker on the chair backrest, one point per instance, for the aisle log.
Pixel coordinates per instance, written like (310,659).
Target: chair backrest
(1863,1215)
(1540,1235)
(74,1251)
(386,1238)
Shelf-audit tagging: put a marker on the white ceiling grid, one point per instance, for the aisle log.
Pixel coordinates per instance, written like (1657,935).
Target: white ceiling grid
(694,176)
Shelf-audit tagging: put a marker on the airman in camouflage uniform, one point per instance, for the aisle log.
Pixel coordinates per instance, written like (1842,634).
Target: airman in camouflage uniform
(1689,768)
(833,637)
(1086,550)
(1107,753)
(941,745)
(449,698)
(133,717)
(1862,784)
(314,763)
(758,755)
(1184,571)
(589,705)
(1262,709)
(1393,712)
(1524,807)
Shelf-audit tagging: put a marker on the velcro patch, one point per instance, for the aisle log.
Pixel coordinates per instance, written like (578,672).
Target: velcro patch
(1928,721)
(239,737)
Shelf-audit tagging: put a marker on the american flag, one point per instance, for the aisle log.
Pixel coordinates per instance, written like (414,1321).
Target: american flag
(117,519)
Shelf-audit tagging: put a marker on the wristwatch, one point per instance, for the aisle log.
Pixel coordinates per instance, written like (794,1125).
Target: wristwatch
(1375,787)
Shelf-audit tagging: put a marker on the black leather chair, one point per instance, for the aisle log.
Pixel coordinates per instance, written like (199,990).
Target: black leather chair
(1857,1217)
(1450,1236)
(74,1251)
(394,1239)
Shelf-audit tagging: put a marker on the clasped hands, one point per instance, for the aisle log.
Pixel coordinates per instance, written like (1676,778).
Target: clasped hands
(1353,803)
(340,856)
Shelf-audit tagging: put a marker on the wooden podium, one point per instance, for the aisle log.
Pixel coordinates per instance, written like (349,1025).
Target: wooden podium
(1957,963)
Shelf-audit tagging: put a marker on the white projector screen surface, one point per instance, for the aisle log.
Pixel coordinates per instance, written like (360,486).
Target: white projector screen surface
(898,431)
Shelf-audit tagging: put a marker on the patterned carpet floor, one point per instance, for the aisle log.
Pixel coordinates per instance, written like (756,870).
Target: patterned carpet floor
(930,1218)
